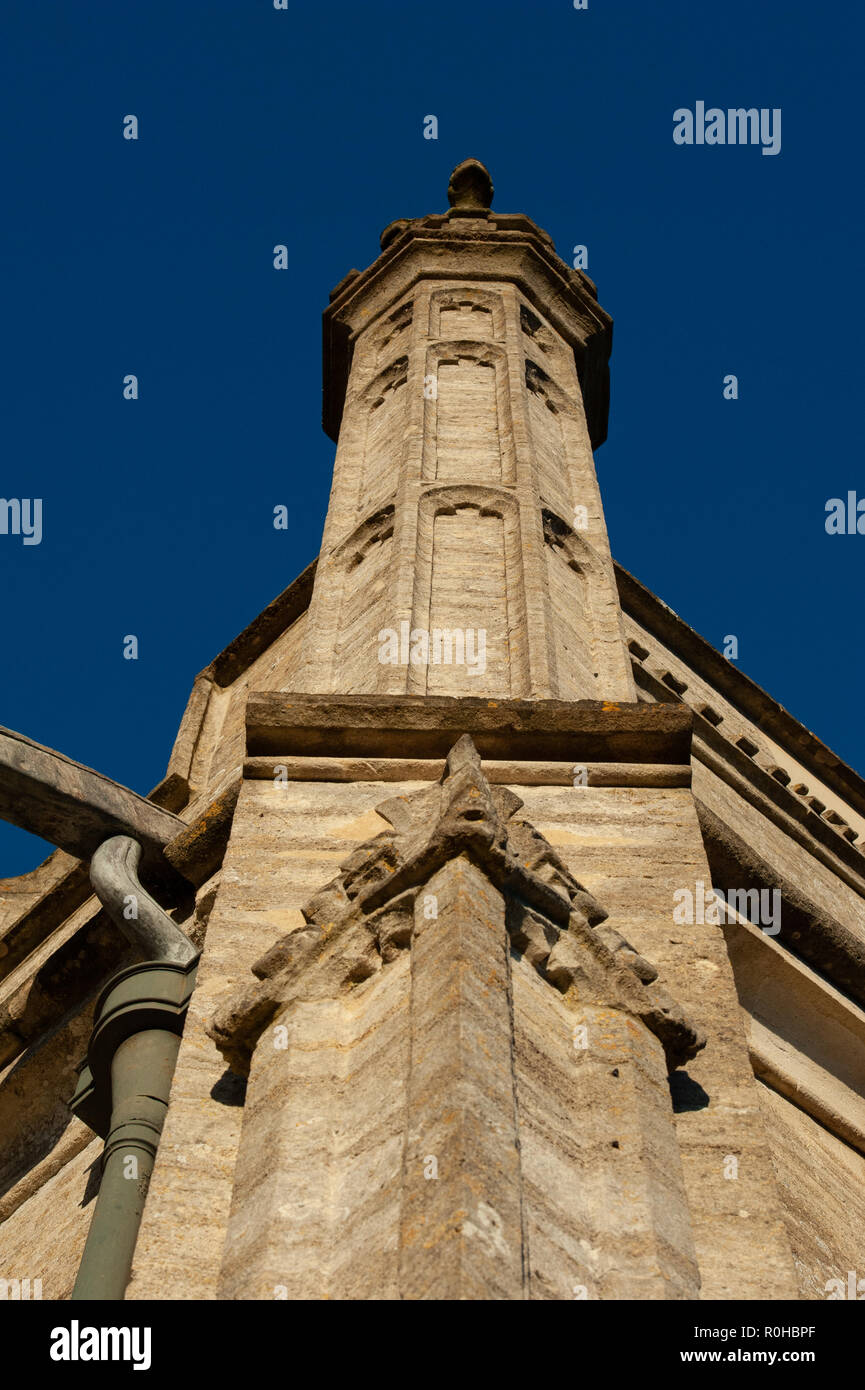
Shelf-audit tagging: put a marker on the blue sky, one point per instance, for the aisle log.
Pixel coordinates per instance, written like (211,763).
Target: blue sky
(305,127)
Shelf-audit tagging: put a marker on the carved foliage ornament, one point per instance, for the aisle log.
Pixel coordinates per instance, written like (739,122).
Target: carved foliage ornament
(364,918)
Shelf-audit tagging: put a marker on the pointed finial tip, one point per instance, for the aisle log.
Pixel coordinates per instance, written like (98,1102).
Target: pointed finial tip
(463,753)
(470,186)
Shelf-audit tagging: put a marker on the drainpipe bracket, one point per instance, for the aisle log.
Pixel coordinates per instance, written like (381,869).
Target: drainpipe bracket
(151,994)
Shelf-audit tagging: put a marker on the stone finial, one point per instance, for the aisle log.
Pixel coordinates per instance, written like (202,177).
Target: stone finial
(470,188)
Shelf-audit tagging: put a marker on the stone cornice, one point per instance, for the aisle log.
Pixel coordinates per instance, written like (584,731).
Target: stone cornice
(660,620)
(426,726)
(485,247)
(765,792)
(652,614)
(806,931)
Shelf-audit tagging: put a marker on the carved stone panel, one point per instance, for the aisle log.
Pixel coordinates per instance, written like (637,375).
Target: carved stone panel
(457,1078)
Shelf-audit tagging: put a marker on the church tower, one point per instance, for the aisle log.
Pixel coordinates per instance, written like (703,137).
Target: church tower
(518,945)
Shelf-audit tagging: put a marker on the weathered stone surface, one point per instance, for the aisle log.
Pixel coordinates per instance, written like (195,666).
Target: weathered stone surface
(634,849)
(197,850)
(460,1231)
(605,1210)
(822,1183)
(462,816)
(468,370)
(43,1237)
(583,731)
(817,936)
(702,665)
(461,886)
(76,808)
(806,1038)
(498,771)
(507,248)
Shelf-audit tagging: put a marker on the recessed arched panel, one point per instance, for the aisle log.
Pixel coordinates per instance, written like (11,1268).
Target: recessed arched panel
(385,410)
(574,598)
(393,334)
(363,565)
(546,413)
(467,434)
(469,595)
(466,312)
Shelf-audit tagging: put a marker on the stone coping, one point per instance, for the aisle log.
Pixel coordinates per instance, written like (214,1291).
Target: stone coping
(422,726)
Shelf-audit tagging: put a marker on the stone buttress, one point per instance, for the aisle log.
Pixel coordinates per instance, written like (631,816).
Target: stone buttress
(442,948)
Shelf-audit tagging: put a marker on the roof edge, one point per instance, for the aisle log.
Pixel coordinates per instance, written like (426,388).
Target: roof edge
(753,701)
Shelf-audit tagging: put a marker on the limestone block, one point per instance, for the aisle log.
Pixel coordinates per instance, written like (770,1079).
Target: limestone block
(364,1177)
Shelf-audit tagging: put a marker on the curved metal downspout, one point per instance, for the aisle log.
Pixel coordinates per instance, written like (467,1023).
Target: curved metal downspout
(123,1088)
(114,875)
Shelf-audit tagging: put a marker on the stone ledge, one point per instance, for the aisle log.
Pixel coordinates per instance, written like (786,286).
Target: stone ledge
(424,726)
(499,772)
(821,941)
(744,694)
(767,792)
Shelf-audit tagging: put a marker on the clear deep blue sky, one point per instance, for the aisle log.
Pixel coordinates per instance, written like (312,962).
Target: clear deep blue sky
(306,127)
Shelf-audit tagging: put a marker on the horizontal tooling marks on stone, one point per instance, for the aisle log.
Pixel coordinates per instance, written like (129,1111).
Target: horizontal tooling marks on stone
(589,653)
(466,311)
(363,610)
(461,1233)
(498,771)
(390,338)
(577,665)
(603,1191)
(655,846)
(469,583)
(192,1181)
(632,849)
(322,1220)
(426,727)
(556,437)
(467,420)
(464,1228)
(469,590)
(823,1183)
(190,1190)
(468,425)
(302,833)
(386,404)
(466,321)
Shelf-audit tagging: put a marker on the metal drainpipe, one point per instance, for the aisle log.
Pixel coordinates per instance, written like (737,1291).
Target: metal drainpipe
(123,1086)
